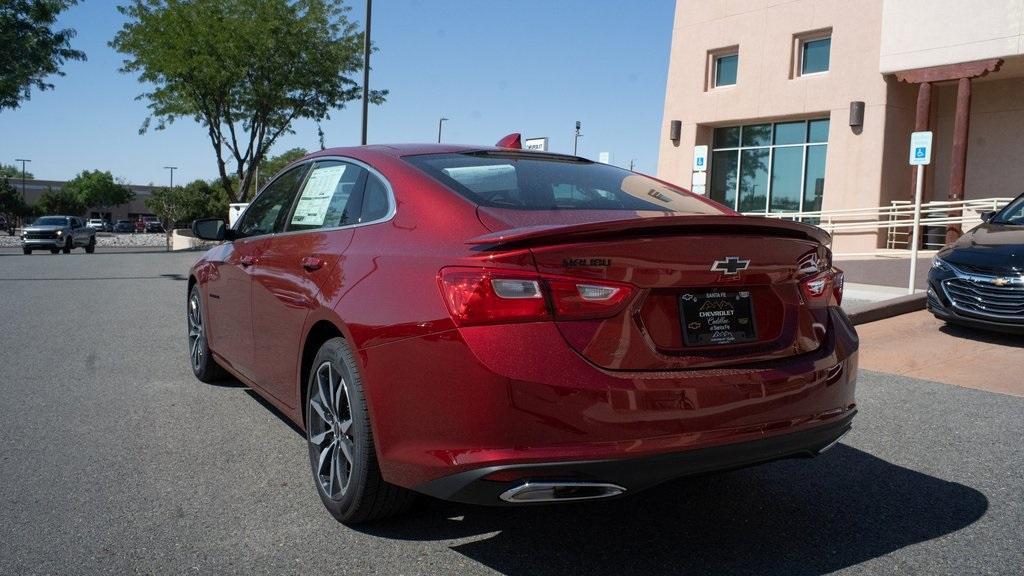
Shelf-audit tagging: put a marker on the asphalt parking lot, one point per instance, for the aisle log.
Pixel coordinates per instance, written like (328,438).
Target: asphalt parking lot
(114,459)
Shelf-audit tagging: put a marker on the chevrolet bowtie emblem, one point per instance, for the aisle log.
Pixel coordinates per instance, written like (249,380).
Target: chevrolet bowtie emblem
(1001,281)
(731,265)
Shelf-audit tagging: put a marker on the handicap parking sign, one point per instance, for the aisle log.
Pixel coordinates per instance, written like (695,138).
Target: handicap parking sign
(920,148)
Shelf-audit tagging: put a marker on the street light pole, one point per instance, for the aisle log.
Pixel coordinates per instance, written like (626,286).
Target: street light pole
(23,161)
(439,123)
(366,67)
(172,169)
(576,141)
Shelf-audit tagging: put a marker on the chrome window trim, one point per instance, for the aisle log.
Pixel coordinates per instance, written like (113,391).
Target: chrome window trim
(389,215)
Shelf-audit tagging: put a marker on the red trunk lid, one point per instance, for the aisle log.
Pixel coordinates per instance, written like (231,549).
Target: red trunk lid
(668,259)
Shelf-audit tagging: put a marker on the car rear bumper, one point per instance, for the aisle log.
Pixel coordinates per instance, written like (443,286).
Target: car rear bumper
(451,408)
(493,485)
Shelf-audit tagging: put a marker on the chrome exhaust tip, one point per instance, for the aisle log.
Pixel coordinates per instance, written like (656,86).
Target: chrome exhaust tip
(560,492)
(834,442)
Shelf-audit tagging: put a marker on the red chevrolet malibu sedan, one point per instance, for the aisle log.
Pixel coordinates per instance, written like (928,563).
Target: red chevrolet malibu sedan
(499,326)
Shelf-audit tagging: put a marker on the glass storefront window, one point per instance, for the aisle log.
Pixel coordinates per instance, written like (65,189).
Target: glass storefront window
(753,180)
(814,180)
(757,135)
(817,130)
(723,177)
(787,168)
(728,137)
(770,167)
(790,132)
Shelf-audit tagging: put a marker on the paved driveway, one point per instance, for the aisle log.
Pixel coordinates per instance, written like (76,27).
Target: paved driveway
(113,459)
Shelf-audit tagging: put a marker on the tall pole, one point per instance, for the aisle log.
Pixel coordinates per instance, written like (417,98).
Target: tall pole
(172,169)
(366,67)
(23,161)
(576,141)
(916,236)
(439,123)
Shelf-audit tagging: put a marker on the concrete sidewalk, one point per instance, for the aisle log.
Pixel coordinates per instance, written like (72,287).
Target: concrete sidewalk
(920,346)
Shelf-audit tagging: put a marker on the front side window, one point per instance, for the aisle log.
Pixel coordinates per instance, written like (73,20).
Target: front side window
(524,181)
(726,68)
(761,168)
(814,55)
(266,214)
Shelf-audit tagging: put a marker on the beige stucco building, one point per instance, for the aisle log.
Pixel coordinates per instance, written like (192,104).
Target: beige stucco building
(773,88)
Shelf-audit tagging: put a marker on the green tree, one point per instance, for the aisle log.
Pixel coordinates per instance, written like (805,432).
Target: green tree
(11,204)
(244,69)
(272,166)
(62,201)
(197,199)
(30,49)
(12,171)
(96,189)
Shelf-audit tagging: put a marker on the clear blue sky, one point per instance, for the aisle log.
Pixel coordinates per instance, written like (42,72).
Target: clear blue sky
(494,67)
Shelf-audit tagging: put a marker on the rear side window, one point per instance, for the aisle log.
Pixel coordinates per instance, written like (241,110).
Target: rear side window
(532,182)
(375,200)
(328,198)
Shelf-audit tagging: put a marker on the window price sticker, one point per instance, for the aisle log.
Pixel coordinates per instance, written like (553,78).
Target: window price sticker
(317,194)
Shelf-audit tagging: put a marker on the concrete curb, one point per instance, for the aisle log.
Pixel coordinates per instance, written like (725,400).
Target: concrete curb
(887,308)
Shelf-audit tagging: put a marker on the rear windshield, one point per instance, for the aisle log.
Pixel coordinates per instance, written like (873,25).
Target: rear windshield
(528,182)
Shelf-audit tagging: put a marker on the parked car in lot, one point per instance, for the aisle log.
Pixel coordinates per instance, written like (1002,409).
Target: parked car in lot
(58,233)
(153,225)
(498,326)
(98,224)
(979,280)
(124,227)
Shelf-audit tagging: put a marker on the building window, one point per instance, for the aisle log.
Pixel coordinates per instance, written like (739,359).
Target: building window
(761,168)
(812,52)
(725,69)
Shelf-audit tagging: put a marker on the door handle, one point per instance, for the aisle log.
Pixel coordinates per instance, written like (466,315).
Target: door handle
(247,261)
(312,263)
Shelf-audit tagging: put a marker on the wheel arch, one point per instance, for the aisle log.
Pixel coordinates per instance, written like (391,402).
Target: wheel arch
(321,331)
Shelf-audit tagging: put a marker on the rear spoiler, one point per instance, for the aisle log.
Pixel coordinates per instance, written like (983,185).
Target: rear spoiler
(683,224)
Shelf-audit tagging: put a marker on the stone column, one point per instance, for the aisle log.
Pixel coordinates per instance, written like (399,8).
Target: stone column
(958,164)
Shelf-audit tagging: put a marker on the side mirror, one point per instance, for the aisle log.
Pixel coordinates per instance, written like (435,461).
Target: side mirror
(986,216)
(210,229)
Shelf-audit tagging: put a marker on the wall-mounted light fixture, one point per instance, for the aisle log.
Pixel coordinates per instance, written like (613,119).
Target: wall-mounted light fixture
(674,131)
(856,113)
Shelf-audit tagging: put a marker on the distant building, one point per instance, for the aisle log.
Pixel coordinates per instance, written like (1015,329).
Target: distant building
(774,89)
(131,211)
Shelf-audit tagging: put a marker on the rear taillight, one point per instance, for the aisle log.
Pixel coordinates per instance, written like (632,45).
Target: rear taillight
(479,296)
(825,288)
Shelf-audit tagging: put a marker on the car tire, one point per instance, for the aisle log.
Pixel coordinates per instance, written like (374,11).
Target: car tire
(91,246)
(27,251)
(203,365)
(342,456)
(68,246)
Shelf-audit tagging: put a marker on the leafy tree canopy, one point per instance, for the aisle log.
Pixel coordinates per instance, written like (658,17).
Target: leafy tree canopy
(30,49)
(61,201)
(95,188)
(243,69)
(12,171)
(197,199)
(10,200)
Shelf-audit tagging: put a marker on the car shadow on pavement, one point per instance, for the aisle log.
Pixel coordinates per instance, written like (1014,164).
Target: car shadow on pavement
(791,517)
(988,337)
